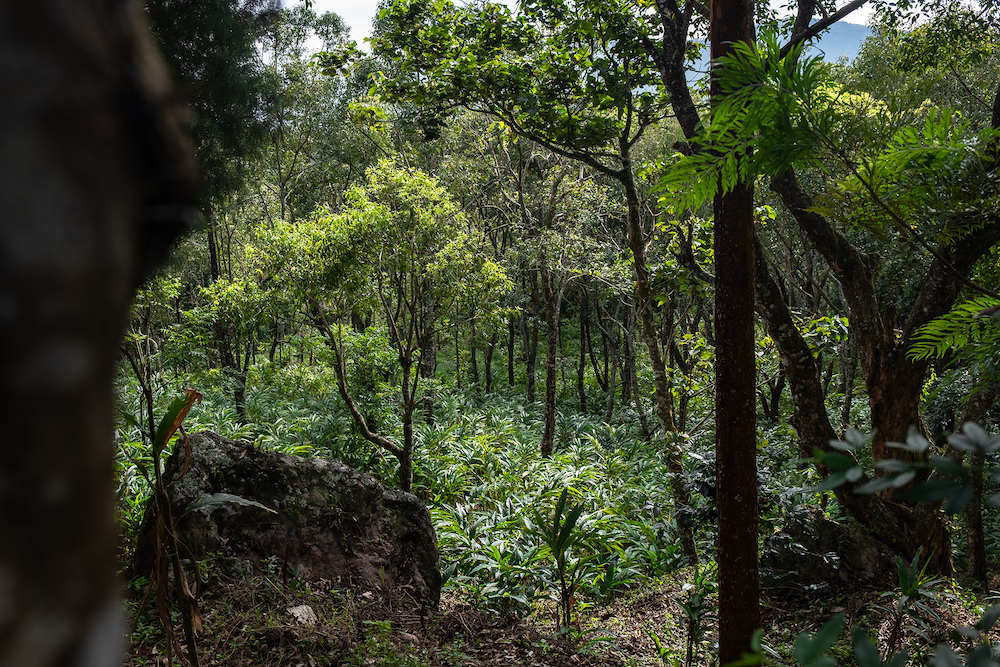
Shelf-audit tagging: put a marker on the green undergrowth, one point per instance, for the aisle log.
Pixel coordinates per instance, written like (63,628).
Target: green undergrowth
(631,597)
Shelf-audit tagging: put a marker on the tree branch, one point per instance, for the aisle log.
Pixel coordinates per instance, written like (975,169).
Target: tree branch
(820,26)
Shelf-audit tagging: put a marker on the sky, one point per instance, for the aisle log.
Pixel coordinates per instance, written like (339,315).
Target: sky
(358,14)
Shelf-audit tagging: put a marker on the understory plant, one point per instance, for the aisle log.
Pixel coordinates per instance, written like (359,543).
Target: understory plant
(559,533)
(916,590)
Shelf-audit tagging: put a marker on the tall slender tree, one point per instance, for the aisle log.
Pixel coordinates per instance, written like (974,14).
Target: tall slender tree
(735,377)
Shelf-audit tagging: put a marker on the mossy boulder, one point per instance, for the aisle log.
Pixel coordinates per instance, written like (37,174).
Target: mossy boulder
(813,552)
(329,520)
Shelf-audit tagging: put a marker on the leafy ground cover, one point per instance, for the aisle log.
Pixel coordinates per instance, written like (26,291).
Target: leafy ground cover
(247,621)
(630,599)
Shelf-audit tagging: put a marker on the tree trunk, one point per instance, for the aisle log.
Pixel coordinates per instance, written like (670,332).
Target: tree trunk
(601,378)
(613,373)
(458,361)
(735,415)
(473,350)
(976,410)
(240,389)
(510,350)
(531,344)
(644,311)
(628,365)
(581,366)
(488,361)
(93,188)
(735,374)
(848,366)
(552,295)
(770,404)
(633,378)
(428,363)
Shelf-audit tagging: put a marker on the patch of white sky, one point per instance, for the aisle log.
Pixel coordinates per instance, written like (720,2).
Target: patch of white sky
(359,14)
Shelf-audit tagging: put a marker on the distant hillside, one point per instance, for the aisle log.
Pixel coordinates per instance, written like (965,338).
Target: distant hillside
(842,39)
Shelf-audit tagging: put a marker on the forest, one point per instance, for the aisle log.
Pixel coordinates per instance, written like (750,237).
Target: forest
(643,339)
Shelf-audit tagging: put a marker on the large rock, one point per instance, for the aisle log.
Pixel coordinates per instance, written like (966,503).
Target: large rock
(331,521)
(813,552)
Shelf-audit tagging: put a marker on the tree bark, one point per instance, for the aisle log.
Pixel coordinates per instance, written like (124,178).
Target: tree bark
(510,350)
(977,410)
(602,380)
(644,312)
(613,373)
(736,422)
(428,362)
(581,367)
(93,189)
(531,343)
(473,352)
(552,296)
(491,347)
(633,380)
(735,376)
(902,528)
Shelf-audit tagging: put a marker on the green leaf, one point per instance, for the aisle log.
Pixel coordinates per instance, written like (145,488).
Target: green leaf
(832,482)
(957,501)
(900,659)
(980,657)
(876,485)
(949,466)
(989,619)
(809,649)
(864,650)
(894,465)
(129,419)
(856,438)
(969,633)
(216,500)
(838,461)
(174,417)
(931,491)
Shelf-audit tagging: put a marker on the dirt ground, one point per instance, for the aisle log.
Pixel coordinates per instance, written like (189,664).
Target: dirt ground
(259,619)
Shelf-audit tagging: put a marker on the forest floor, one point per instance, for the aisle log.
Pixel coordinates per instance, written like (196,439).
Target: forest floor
(247,621)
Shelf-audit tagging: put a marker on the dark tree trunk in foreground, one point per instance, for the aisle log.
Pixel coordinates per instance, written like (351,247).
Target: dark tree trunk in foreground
(96,179)
(735,371)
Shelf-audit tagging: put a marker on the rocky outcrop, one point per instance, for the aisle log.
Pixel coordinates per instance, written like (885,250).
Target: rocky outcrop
(330,521)
(813,552)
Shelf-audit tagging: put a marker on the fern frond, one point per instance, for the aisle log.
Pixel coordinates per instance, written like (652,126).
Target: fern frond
(966,323)
(765,121)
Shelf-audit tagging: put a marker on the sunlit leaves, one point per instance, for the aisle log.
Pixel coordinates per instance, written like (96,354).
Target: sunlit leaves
(933,176)
(401,238)
(570,74)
